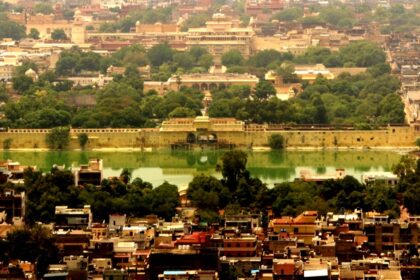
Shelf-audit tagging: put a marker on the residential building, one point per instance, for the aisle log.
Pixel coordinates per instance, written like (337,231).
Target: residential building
(12,205)
(73,218)
(90,173)
(244,246)
(304,226)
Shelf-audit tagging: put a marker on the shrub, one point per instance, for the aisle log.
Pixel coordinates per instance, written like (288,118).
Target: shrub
(58,138)
(7,143)
(83,140)
(276,142)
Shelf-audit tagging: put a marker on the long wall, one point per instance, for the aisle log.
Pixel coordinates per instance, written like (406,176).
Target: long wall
(154,138)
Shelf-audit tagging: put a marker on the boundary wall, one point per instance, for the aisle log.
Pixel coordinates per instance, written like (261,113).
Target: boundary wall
(131,138)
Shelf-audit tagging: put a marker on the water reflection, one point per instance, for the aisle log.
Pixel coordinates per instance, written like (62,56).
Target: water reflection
(179,167)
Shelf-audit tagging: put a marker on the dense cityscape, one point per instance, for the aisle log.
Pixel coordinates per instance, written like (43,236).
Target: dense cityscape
(281,139)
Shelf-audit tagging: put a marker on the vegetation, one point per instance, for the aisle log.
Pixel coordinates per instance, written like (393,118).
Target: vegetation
(83,140)
(34,244)
(358,99)
(365,100)
(115,195)
(7,143)
(43,8)
(290,14)
(34,33)
(143,16)
(395,19)
(10,29)
(58,138)
(276,142)
(236,190)
(58,34)
(291,198)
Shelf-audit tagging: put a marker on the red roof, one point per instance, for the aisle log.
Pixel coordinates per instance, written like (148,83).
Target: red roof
(194,238)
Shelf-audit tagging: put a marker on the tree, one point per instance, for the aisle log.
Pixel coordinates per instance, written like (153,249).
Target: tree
(58,138)
(34,245)
(232,58)
(206,192)
(184,60)
(160,54)
(289,14)
(34,33)
(233,167)
(182,112)
(163,200)
(43,8)
(266,57)
(83,140)
(69,15)
(362,54)
(58,34)
(264,90)
(10,29)
(276,142)
(22,83)
(320,111)
(7,143)
(287,72)
(125,176)
(405,167)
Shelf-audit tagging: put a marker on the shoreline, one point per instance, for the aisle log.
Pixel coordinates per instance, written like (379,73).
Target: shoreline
(253,149)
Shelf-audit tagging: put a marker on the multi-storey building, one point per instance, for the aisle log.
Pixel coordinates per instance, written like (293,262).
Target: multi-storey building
(13,205)
(387,236)
(221,35)
(73,218)
(303,227)
(239,247)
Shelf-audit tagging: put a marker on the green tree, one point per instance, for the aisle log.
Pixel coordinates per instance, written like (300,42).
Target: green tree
(182,112)
(264,90)
(22,83)
(58,34)
(163,200)
(276,142)
(160,54)
(7,143)
(233,167)
(232,58)
(83,140)
(320,111)
(125,176)
(34,33)
(58,138)
(266,57)
(418,143)
(362,54)
(10,29)
(290,14)
(34,245)
(43,8)
(287,72)
(206,192)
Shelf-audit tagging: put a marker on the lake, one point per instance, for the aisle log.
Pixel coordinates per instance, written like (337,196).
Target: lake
(179,167)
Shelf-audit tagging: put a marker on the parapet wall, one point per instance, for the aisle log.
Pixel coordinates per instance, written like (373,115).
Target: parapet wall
(402,136)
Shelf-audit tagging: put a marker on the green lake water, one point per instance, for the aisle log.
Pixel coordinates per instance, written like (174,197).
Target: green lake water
(179,167)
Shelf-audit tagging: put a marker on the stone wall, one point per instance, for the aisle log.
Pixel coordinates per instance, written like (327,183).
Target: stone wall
(403,136)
